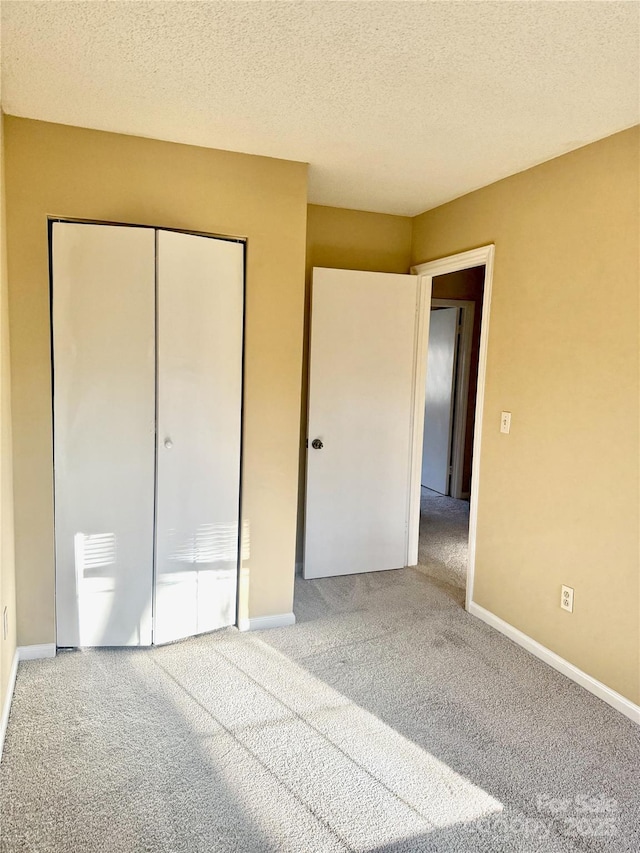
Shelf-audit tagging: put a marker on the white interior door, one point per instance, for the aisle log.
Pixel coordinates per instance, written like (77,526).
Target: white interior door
(438,405)
(363,328)
(200,284)
(104,428)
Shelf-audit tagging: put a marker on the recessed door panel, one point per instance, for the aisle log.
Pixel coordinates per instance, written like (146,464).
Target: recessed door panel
(438,404)
(104,431)
(200,283)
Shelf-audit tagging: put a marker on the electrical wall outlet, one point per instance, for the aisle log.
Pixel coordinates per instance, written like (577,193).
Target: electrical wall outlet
(505,422)
(5,624)
(566,598)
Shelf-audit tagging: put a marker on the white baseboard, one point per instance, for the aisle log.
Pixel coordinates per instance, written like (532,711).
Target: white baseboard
(44,650)
(261,623)
(616,700)
(6,707)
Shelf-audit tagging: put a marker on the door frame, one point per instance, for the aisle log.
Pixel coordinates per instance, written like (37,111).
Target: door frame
(426,272)
(461,392)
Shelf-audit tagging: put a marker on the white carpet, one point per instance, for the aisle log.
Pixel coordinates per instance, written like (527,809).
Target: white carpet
(444,538)
(387,720)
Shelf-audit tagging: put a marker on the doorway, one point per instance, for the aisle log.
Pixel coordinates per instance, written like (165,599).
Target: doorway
(455,295)
(367,387)
(449,421)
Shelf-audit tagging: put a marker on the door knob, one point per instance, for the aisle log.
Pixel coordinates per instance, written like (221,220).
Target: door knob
(317,444)
(168,443)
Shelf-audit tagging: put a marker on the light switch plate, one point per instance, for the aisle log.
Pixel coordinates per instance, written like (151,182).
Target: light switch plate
(505,422)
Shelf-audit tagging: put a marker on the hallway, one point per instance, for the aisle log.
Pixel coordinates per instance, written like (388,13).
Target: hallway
(444,538)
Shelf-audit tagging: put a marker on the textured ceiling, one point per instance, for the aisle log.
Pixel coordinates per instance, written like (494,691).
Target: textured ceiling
(397,106)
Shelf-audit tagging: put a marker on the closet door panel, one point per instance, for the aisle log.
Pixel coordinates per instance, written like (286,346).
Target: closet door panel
(200,284)
(104,432)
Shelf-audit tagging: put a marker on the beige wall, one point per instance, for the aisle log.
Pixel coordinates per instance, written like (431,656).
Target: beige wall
(559,496)
(357,240)
(53,170)
(352,240)
(7,574)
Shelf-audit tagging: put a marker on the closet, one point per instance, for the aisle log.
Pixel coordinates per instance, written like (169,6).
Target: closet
(147,398)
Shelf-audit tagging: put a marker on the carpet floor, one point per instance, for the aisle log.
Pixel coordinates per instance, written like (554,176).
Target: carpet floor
(443,545)
(386,720)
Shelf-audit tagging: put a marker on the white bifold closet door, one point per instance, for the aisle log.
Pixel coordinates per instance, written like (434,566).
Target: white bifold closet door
(200,320)
(147,339)
(104,432)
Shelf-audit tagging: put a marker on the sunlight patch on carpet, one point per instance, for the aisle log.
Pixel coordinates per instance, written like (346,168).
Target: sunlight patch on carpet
(359,777)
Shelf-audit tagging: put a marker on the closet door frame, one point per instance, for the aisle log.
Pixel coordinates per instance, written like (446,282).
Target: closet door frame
(51,220)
